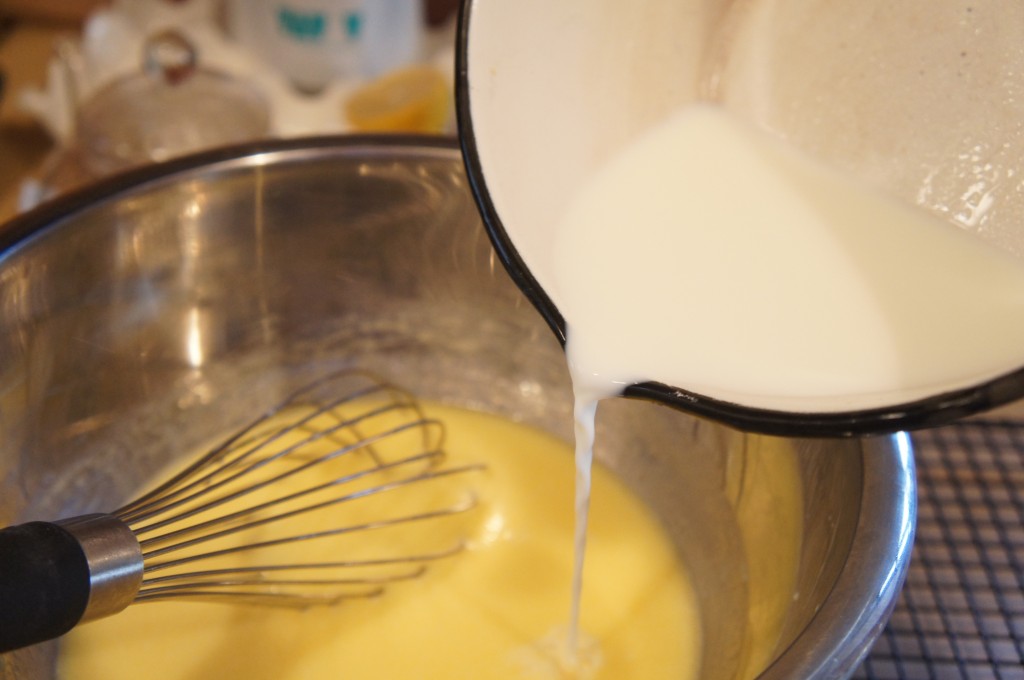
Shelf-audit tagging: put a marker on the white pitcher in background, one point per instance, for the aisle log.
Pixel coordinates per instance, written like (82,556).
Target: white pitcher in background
(315,41)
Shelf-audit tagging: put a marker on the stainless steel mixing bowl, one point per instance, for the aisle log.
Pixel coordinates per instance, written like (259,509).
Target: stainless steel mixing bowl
(150,312)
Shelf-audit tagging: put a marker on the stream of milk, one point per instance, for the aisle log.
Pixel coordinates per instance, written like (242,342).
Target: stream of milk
(495,611)
(711,256)
(584,413)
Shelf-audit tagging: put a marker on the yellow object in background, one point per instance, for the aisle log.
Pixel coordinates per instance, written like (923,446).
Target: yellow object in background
(413,99)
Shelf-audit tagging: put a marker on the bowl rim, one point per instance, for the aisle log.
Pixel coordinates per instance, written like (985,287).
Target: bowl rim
(255,153)
(859,603)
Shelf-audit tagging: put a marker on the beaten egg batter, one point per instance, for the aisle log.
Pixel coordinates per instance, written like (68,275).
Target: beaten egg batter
(498,609)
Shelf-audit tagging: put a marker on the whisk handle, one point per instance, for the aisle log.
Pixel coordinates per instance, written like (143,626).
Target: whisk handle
(55,575)
(44,583)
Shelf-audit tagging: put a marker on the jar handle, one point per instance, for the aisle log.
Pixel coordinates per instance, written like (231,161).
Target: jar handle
(169,55)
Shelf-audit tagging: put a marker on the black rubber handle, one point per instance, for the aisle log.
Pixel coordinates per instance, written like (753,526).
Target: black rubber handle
(44,584)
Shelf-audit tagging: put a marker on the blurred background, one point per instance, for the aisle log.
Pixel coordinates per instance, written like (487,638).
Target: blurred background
(91,87)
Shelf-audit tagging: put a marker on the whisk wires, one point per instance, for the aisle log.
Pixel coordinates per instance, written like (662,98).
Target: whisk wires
(335,493)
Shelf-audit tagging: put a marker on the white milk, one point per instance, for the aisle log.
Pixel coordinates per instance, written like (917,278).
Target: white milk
(709,256)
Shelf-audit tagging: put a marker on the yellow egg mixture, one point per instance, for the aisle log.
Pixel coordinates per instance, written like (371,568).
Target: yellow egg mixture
(498,609)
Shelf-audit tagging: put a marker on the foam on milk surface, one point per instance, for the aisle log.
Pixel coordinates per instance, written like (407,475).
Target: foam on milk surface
(710,256)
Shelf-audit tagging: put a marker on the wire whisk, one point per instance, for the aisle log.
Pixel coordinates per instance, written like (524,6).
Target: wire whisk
(335,493)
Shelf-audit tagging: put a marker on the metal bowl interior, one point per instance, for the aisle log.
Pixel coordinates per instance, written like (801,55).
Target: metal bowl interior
(146,314)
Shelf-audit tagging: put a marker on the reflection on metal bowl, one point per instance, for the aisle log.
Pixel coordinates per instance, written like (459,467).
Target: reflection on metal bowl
(151,311)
